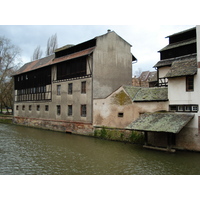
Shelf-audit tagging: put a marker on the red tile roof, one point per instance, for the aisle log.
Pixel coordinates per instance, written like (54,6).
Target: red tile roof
(50,60)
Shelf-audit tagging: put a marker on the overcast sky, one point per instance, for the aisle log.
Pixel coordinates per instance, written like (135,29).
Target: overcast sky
(146,40)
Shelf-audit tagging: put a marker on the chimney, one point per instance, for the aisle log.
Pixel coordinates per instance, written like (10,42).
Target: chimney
(108,31)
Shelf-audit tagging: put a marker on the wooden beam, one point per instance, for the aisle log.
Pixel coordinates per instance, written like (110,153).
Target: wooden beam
(160,149)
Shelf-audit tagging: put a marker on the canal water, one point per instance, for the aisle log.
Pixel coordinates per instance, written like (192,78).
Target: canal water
(32,151)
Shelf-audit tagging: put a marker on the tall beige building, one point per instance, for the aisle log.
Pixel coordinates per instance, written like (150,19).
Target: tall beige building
(57,92)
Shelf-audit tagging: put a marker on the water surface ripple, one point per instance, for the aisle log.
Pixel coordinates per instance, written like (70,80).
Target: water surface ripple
(31,151)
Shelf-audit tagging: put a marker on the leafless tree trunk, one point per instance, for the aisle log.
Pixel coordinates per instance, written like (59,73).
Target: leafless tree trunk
(37,54)
(9,62)
(51,45)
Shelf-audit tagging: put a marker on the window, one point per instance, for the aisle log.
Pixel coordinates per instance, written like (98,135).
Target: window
(83,110)
(23,107)
(189,83)
(172,108)
(70,110)
(30,107)
(184,108)
(58,109)
(195,108)
(38,108)
(34,90)
(120,114)
(17,107)
(46,108)
(188,108)
(70,88)
(58,89)
(180,108)
(83,87)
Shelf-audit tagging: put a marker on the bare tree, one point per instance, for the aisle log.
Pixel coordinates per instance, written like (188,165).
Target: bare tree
(51,45)
(137,77)
(9,61)
(37,54)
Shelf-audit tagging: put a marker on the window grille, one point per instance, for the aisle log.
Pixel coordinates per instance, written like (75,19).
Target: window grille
(83,110)
(58,109)
(58,89)
(83,87)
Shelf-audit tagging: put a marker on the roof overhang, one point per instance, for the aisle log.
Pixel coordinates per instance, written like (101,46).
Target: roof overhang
(165,122)
(169,61)
(180,68)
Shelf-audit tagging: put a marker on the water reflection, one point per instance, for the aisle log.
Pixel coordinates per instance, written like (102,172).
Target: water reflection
(33,151)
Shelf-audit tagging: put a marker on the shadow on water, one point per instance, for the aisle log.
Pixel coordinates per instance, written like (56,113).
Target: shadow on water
(26,150)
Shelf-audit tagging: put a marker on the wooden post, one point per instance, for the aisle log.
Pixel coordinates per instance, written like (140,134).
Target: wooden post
(169,141)
(145,138)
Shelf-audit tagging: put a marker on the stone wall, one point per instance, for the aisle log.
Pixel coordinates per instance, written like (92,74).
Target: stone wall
(63,126)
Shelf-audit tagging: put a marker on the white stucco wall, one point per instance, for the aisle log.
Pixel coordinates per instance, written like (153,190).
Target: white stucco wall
(179,96)
(163,71)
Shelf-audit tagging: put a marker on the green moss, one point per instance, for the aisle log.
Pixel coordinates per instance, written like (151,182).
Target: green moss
(119,135)
(121,98)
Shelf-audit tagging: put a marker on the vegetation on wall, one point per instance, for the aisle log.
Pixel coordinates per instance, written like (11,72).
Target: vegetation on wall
(119,135)
(121,98)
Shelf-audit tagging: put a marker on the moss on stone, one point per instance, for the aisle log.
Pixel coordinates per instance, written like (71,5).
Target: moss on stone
(121,98)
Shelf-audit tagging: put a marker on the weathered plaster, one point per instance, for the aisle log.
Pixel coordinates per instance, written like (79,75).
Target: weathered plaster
(106,110)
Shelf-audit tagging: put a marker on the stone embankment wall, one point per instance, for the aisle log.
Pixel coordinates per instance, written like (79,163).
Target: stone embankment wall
(185,140)
(86,129)
(63,126)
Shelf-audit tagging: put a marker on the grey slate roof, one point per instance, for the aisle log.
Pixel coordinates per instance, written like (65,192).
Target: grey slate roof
(131,90)
(160,122)
(152,94)
(139,94)
(178,44)
(168,62)
(183,68)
